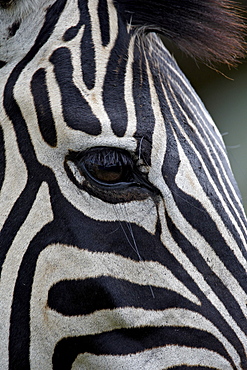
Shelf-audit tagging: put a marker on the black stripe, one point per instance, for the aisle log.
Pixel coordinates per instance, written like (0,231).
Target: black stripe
(185,367)
(82,297)
(72,32)
(127,341)
(14,28)
(113,89)
(76,111)
(43,108)
(197,116)
(104,22)
(199,217)
(166,65)
(19,322)
(104,237)
(2,159)
(19,336)
(87,48)
(143,105)
(2,63)
(23,138)
(19,213)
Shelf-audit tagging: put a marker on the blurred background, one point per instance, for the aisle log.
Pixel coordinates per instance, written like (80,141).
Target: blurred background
(224,94)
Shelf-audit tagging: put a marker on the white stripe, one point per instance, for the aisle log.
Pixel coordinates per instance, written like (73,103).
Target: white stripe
(39,215)
(56,327)
(128,91)
(154,359)
(102,55)
(58,262)
(15,176)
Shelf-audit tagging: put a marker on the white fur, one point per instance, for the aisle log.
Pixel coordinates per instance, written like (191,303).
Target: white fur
(30,14)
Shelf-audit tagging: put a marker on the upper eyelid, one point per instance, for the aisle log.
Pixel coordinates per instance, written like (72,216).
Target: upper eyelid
(106,156)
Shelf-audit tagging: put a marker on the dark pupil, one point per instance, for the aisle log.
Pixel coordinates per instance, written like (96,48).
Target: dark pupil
(109,174)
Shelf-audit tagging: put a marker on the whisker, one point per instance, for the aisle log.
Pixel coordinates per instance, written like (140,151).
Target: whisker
(120,223)
(136,248)
(140,148)
(112,232)
(128,224)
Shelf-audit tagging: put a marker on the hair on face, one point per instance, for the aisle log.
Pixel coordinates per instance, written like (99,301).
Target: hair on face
(210,30)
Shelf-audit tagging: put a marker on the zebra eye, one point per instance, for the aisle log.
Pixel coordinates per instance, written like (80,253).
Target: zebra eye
(107,166)
(110,174)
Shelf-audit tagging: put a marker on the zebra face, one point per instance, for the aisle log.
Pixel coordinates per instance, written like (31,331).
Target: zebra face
(123,236)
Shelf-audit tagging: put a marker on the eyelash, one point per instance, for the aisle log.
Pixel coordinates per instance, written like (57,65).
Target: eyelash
(106,167)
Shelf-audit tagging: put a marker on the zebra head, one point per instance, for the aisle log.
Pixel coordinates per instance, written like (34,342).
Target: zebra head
(123,237)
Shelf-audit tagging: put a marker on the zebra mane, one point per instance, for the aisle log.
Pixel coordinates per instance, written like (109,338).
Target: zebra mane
(210,30)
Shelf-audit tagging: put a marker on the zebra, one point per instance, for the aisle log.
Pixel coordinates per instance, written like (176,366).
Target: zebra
(123,236)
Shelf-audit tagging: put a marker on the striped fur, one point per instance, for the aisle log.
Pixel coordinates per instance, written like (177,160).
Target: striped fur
(147,276)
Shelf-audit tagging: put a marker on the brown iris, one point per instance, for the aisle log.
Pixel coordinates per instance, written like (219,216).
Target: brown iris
(108,174)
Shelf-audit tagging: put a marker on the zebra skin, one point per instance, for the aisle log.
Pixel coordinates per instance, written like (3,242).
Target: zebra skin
(123,236)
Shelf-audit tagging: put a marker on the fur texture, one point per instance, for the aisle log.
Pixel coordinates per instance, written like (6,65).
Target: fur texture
(148,272)
(211,30)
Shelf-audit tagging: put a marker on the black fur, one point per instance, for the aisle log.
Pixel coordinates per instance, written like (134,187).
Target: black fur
(211,30)
(6,3)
